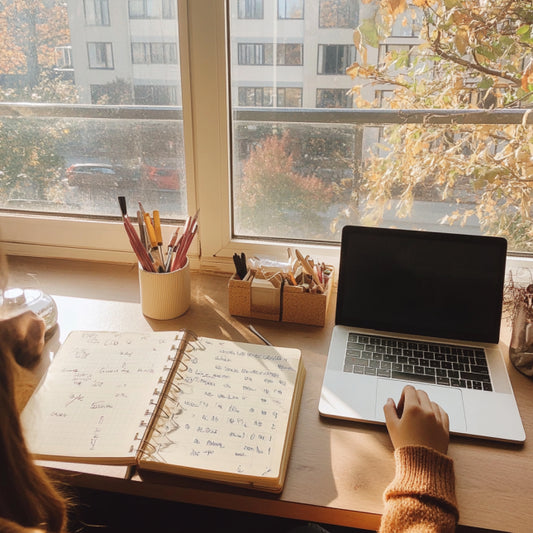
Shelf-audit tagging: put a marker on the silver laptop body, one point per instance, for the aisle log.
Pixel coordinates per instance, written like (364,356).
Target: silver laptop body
(436,296)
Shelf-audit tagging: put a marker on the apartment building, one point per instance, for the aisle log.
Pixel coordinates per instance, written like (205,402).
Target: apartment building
(284,53)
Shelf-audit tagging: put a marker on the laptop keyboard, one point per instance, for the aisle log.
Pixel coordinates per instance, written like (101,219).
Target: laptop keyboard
(427,362)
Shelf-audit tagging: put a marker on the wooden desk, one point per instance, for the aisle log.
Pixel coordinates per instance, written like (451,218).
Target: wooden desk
(338,470)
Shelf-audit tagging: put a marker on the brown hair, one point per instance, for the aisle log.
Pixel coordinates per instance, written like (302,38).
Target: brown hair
(27,496)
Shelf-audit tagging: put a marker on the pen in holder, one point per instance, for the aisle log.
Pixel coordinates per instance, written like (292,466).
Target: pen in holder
(165,295)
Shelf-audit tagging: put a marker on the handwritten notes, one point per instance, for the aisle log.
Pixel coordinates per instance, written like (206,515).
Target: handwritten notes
(225,411)
(98,396)
(231,414)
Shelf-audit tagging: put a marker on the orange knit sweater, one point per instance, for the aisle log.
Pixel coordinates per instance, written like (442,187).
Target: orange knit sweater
(421,497)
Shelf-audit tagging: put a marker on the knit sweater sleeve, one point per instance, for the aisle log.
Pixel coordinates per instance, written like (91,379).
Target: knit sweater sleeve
(421,497)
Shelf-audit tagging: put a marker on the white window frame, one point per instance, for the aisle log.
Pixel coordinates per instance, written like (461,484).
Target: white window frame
(206,116)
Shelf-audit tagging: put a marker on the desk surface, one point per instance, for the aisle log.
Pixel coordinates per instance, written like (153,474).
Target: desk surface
(338,470)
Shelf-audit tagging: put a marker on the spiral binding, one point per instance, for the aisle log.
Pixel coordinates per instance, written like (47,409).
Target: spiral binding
(160,422)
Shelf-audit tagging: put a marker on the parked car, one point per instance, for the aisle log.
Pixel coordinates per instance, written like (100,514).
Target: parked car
(91,175)
(161,177)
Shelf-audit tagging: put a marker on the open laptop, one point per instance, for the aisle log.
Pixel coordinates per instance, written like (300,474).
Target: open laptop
(422,308)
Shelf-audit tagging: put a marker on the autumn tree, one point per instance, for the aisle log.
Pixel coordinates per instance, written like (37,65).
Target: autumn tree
(30,163)
(274,200)
(473,54)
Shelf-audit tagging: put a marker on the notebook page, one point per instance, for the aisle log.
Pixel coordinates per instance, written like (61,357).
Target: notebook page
(98,391)
(231,414)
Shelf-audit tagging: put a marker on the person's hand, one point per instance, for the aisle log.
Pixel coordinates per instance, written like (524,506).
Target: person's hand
(23,336)
(417,421)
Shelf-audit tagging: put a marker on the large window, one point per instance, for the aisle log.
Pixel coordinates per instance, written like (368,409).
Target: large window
(250,9)
(291,9)
(338,14)
(100,55)
(255,54)
(286,152)
(154,53)
(97,12)
(335,58)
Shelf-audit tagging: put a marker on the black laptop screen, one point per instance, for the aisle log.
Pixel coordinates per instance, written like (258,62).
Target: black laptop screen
(424,283)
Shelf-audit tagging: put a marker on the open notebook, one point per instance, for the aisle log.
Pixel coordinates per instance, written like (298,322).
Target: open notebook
(169,401)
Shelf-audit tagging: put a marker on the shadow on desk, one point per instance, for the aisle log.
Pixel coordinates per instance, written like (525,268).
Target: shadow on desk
(104,512)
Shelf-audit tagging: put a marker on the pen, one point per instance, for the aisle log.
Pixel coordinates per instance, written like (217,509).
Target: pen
(151,234)
(142,233)
(158,235)
(255,332)
(136,244)
(171,248)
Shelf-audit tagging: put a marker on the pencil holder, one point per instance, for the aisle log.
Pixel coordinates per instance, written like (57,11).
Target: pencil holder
(165,295)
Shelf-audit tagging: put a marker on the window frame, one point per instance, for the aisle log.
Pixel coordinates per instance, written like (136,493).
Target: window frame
(206,115)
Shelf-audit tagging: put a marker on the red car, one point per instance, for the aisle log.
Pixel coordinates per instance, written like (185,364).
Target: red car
(162,177)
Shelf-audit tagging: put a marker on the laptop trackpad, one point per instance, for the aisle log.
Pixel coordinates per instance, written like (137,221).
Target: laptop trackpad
(450,399)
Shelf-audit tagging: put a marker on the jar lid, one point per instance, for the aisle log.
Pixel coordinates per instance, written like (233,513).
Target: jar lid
(15,301)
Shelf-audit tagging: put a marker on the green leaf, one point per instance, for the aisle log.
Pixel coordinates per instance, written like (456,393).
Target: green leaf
(523,30)
(369,32)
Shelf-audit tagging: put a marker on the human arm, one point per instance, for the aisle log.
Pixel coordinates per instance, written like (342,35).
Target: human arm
(421,497)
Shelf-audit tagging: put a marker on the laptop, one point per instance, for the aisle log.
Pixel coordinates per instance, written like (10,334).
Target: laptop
(422,308)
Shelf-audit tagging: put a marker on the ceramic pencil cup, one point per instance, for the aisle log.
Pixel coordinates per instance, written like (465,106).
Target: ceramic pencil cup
(165,295)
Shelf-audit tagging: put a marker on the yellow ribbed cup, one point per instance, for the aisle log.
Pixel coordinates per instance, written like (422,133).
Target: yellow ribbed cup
(165,295)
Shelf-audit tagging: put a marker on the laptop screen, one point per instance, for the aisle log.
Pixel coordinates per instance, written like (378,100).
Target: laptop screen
(423,283)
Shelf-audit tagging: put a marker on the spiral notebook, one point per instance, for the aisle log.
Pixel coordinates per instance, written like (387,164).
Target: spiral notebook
(172,402)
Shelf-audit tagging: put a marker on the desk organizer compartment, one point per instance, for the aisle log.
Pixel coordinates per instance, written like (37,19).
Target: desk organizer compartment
(290,304)
(305,307)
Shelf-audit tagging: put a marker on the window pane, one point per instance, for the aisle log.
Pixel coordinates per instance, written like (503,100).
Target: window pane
(303,174)
(102,134)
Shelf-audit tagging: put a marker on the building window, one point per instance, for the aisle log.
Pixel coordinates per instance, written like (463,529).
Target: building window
(338,14)
(333,98)
(289,97)
(100,55)
(255,54)
(143,9)
(335,58)
(154,53)
(256,96)
(96,12)
(400,52)
(250,9)
(291,9)
(169,9)
(63,57)
(155,95)
(383,98)
(289,54)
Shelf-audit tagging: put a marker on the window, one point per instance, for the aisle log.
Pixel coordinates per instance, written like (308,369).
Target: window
(63,57)
(100,55)
(333,98)
(121,109)
(155,95)
(255,54)
(154,53)
(97,12)
(169,9)
(338,14)
(335,58)
(291,9)
(289,97)
(144,9)
(256,96)
(250,9)
(289,54)
(400,52)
